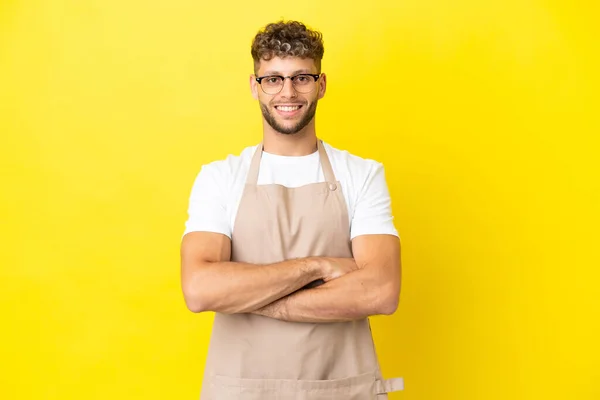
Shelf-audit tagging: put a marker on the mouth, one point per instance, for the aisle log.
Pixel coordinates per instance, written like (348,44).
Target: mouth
(288,110)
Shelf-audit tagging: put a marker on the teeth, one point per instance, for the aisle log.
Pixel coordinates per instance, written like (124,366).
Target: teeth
(288,108)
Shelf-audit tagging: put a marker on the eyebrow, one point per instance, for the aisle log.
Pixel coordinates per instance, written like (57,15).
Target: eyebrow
(299,71)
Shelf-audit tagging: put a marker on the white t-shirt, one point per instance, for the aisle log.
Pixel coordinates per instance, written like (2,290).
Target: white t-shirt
(218,188)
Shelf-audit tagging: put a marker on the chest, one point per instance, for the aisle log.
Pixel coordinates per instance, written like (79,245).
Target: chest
(290,176)
(276,223)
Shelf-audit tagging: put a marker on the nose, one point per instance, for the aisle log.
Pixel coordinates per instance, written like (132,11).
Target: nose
(288,89)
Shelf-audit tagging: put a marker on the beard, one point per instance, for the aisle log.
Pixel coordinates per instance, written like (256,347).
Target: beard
(289,130)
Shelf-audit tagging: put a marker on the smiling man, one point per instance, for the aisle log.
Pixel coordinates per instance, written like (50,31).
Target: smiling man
(292,244)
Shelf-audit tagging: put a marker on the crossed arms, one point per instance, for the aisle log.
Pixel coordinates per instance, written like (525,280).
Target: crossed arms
(354,288)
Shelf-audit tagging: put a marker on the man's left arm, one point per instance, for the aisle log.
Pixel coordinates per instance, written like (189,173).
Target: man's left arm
(372,289)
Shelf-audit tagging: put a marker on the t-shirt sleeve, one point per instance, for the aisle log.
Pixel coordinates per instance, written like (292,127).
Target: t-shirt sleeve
(207,207)
(373,208)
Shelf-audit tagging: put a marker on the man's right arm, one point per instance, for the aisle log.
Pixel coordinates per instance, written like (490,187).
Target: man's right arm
(211,282)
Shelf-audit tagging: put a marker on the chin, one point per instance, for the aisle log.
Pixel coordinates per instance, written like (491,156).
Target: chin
(288,129)
(287,132)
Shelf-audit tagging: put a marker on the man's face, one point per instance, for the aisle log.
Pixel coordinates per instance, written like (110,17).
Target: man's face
(290,110)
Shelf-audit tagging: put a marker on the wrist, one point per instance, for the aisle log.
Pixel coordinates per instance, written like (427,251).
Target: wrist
(277,309)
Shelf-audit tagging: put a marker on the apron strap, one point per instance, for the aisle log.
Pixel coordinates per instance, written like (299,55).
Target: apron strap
(252,178)
(325,164)
(390,385)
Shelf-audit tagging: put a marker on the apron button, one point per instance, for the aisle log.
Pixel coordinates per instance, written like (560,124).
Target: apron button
(332,186)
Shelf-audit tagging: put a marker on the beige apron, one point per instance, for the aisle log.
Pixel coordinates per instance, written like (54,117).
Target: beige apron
(253,357)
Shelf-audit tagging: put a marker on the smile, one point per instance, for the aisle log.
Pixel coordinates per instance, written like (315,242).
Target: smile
(288,108)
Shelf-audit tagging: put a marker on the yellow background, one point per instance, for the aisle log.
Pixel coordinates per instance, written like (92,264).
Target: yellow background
(484,113)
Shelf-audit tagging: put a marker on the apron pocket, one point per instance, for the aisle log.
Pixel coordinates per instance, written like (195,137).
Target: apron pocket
(360,387)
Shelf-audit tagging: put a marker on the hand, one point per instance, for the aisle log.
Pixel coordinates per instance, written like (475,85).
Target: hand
(334,268)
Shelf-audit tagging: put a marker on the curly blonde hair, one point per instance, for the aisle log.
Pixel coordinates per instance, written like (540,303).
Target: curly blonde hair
(287,39)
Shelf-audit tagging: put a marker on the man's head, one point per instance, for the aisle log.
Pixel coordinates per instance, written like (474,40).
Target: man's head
(287,63)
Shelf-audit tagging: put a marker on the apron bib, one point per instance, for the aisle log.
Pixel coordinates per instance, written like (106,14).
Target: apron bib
(252,357)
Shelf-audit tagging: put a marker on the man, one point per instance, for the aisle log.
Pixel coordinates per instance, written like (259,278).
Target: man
(292,245)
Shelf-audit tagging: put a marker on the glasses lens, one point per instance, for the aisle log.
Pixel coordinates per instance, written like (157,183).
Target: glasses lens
(304,83)
(271,84)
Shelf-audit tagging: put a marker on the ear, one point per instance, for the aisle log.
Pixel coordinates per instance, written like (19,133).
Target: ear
(254,86)
(322,85)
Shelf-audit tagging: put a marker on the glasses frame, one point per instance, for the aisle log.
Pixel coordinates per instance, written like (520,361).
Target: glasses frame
(283,78)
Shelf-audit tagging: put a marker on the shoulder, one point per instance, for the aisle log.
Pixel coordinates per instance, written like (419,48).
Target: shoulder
(233,164)
(223,175)
(351,166)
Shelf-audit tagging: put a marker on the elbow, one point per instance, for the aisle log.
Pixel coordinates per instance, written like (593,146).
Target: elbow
(195,306)
(195,299)
(389,301)
(199,299)
(389,307)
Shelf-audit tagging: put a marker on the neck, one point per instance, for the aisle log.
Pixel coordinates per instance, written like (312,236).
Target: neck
(293,145)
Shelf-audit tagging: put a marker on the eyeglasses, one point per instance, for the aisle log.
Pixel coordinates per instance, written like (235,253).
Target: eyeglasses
(303,83)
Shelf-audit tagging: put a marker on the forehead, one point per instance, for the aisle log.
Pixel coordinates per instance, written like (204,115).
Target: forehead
(287,66)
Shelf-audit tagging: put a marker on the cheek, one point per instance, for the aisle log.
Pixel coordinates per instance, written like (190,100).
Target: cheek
(312,100)
(264,100)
